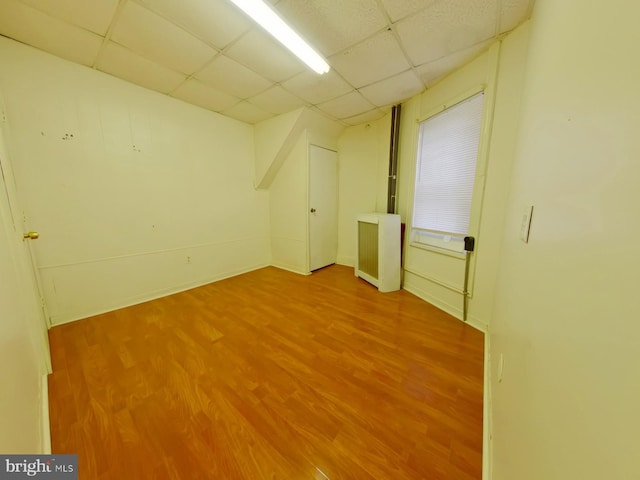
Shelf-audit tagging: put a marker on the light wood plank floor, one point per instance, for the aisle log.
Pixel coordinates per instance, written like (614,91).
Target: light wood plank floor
(271,375)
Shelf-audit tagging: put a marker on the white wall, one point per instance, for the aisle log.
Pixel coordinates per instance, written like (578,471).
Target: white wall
(273,140)
(566,311)
(363,168)
(289,199)
(149,196)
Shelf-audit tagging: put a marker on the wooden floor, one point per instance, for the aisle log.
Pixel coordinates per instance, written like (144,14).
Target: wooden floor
(271,375)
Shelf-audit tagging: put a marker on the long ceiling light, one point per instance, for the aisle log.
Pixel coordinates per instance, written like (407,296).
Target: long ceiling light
(268,19)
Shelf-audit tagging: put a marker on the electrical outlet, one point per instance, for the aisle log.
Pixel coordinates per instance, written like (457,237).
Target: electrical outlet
(525,225)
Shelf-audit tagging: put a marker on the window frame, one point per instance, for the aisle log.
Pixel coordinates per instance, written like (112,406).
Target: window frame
(416,236)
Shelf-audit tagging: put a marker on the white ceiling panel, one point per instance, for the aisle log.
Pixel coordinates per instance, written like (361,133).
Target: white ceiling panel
(513,13)
(231,77)
(246,112)
(365,117)
(197,93)
(316,88)
(399,9)
(93,15)
(446,28)
(33,27)
(158,40)
(208,53)
(215,22)
(393,90)
(346,106)
(266,56)
(125,64)
(431,72)
(377,58)
(277,100)
(333,25)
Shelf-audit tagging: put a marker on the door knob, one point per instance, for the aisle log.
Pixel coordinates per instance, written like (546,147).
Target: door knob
(313,210)
(31,235)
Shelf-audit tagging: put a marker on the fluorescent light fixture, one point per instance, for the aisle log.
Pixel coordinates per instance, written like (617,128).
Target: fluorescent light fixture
(268,19)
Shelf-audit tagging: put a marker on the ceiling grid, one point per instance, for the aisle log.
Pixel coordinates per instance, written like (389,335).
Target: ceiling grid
(206,52)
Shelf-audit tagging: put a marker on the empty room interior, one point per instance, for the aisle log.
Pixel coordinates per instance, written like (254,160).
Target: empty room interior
(221,261)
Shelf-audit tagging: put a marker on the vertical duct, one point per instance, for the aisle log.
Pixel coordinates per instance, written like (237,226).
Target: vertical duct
(393,159)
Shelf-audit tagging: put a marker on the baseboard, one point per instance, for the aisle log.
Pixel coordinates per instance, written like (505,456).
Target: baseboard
(45,426)
(450,309)
(346,261)
(478,324)
(290,269)
(147,297)
(487,424)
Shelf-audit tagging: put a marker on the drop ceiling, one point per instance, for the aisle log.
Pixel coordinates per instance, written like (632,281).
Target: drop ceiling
(208,53)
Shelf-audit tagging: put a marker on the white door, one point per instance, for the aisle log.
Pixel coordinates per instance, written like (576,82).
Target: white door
(12,228)
(323,207)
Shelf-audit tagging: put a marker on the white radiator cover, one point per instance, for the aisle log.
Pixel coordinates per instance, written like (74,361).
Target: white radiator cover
(378,250)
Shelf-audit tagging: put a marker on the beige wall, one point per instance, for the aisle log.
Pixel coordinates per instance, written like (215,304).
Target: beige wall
(147,185)
(363,167)
(566,311)
(288,199)
(427,272)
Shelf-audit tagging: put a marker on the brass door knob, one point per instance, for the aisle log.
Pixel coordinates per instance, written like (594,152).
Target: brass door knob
(31,235)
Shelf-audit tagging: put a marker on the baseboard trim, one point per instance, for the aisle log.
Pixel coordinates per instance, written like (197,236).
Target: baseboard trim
(346,261)
(450,309)
(72,317)
(290,269)
(45,425)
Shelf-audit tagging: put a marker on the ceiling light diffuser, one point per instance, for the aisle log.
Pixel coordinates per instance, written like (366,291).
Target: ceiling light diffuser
(268,19)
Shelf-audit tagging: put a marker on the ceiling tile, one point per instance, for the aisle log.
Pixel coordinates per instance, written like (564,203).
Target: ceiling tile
(346,106)
(333,25)
(398,9)
(155,38)
(446,28)
(266,56)
(127,65)
(246,112)
(229,76)
(197,93)
(93,15)
(277,100)
(393,90)
(159,43)
(370,116)
(215,22)
(431,72)
(30,26)
(513,13)
(377,58)
(316,88)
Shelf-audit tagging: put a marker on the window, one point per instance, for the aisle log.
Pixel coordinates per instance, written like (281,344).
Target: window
(445,172)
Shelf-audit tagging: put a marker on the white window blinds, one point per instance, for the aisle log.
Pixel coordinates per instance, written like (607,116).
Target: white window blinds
(446,166)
